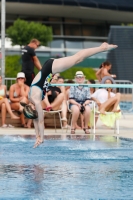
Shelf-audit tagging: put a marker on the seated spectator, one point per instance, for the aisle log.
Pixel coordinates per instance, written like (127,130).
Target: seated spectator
(104,70)
(53,96)
(106,99)
(53,99)
(60,79)
(5,106)
(91,81)
(67,88)
(79,102)
(64,103)
(18,92)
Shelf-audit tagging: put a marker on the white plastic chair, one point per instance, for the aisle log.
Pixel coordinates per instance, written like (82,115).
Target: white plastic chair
(54,114)
(116,124)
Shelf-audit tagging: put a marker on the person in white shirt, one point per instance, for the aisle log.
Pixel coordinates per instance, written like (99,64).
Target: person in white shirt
(106,99)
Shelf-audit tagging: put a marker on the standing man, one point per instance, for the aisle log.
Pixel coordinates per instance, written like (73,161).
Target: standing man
(29,60)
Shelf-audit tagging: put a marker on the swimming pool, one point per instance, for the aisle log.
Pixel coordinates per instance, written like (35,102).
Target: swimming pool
(67,167)
(126,106)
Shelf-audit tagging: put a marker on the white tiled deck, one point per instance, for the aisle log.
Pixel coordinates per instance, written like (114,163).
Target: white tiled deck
(126,129)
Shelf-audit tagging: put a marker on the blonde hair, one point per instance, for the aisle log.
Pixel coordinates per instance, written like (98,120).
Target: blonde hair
(35,41)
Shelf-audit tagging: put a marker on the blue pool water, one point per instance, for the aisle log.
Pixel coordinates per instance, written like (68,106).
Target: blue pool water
(125,106)
(66,168)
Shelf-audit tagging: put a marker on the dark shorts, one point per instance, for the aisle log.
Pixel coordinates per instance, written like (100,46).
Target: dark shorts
(70,105)
(29,78)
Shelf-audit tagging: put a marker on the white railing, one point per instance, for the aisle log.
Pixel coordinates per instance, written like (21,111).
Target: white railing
(9,81)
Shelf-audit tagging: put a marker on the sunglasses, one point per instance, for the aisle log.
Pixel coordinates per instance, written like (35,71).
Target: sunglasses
(79,76)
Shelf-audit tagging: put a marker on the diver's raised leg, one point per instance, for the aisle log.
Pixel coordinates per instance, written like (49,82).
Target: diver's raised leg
(65,63)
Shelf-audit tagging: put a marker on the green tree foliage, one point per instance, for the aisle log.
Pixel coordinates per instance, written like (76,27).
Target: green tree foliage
(22,32)
(13,66)
(88,72)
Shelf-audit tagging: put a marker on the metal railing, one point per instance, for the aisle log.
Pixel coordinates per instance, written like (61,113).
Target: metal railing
(9,82)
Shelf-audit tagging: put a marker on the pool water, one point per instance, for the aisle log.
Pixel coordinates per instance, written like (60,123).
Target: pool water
(66,167)
(126,106)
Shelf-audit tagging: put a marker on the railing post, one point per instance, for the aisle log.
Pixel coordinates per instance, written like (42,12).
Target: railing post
(3,40)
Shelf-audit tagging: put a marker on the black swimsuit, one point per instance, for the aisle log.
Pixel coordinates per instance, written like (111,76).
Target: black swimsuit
(46,75)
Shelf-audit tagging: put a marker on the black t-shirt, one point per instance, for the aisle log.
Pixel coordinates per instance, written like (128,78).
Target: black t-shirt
(54,88)
(53,95)
(27,59)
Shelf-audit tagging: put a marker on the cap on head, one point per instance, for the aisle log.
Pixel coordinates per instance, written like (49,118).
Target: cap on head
(107,78)
(79,73)
(20,75)
(29,112)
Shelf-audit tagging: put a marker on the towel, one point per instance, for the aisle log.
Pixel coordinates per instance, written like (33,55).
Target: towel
(108,119)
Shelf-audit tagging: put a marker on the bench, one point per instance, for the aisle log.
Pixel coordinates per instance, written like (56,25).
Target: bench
(48,120)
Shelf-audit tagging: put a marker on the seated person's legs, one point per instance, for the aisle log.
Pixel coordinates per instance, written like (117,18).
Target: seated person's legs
(8,107)
(64,114)
(75,116)
(17,107)
(82,121)
(3,114)
(118,98)
(113,101)
(29,123)
(56,104)
(86,115)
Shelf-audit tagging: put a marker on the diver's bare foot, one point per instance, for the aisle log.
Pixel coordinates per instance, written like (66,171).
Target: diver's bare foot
(105,46)
(38,142)
(15,117)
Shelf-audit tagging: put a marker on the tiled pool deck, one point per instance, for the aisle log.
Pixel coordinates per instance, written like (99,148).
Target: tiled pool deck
(126,129)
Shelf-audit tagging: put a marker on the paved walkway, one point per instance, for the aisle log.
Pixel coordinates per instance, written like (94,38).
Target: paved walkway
(126,129)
